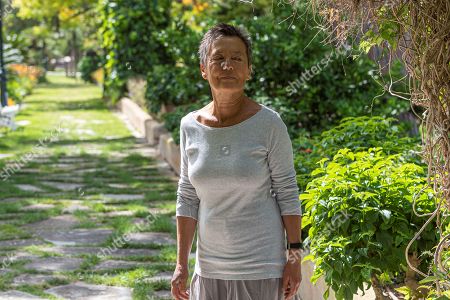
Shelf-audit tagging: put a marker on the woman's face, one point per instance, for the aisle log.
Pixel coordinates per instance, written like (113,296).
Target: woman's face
(227,64)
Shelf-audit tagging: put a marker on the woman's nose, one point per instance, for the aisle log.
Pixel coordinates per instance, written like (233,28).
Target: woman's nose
(226,64)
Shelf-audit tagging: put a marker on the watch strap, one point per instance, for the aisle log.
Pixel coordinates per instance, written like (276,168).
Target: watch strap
(294,245)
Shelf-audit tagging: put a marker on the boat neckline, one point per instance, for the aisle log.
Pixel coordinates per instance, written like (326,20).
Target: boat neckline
(231,126)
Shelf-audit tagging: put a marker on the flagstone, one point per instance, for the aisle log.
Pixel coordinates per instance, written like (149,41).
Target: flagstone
(162,276)
(75,207)
(11,200)
(119,185)
(93,151)
(62,166)
(157,211)
(34,279)
(123,197)
(160,295)
(119,213)
(84,291)
(20,243)
(145,238)
(42,160)
(85,171)
(3,271)
(7,222)
(73,160)
(65,178)
(39,206)
(54,264)
(108,265)
(117,253)
(140,221)
(29,170)
(17,295)
(21,255)
(63,222)
(76,236)
(29,188)
(64,186)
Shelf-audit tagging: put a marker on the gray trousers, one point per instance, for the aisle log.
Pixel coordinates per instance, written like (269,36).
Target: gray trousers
(218,289)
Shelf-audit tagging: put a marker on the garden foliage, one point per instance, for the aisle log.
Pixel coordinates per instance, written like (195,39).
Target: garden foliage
(127,30)
(361,217)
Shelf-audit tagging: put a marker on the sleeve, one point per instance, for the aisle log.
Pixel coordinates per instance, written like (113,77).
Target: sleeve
(282,171)
(187,199)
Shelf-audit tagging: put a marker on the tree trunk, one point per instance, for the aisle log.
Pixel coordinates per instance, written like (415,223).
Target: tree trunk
(410,276)
(377,288)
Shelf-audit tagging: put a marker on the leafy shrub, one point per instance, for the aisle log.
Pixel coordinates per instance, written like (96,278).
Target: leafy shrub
(22,79)
(178,82)
(18,87)
(361,133)
(360,213)
(338,85)
(127,28)
(172,119)
(356,134)
(90,63)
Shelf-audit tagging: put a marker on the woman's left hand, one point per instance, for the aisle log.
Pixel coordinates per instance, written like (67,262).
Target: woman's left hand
(292,275)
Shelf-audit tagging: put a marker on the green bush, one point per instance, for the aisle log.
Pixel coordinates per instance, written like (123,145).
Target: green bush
(361,133)
(360,213)
(356,134)
(18,87)
(127,28)
(341,87)
(172,119)
(89,64)
(178,82)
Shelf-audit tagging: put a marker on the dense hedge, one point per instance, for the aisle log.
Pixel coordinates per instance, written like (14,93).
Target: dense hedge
(177,81)
(127,31)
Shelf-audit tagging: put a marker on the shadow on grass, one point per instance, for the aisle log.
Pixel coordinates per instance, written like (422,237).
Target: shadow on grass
(88,104)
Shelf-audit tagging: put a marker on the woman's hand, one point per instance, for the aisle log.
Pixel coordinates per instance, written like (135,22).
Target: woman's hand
(292,275)
(179,280)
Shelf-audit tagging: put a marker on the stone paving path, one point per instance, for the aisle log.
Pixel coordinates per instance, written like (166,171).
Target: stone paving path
(92,217)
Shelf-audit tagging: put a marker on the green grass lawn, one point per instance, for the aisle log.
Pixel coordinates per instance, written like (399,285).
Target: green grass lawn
(71,111)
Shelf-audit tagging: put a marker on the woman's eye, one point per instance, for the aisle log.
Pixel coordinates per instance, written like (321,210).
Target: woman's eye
(237,58)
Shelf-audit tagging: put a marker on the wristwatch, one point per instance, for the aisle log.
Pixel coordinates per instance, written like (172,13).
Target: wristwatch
(294,245)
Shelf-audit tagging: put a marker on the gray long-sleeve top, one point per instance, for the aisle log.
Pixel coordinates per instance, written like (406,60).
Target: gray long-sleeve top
(237,182)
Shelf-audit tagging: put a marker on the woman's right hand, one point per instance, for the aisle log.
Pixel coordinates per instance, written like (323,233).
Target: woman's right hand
(179,280)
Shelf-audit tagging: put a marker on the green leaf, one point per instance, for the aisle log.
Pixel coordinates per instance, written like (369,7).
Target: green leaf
(308,257)
(429,279)
(386,214)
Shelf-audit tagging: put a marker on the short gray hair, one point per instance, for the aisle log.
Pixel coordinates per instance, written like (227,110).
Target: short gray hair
(221,30)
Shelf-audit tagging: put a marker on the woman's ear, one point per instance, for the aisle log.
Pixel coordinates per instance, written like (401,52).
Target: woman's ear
(203,71)
(250,73)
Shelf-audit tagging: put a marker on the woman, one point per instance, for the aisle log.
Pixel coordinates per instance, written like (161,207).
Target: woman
(237,187)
